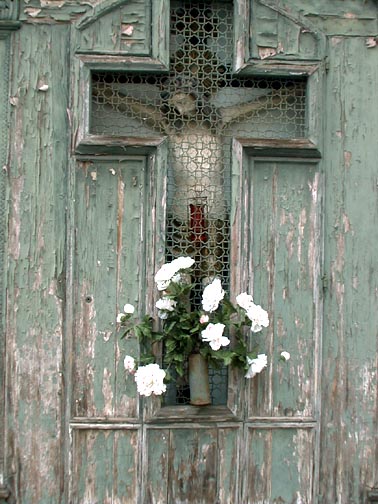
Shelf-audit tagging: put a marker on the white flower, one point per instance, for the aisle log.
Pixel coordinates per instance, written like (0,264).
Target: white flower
(204,319)
(212,295)
(129,363)
(285,355)
(213,334)
(163,276)
(150,380)
(166,304)
(244,300)
(256,365)
(169,270)
(258,316)
(128,310)
(182,263)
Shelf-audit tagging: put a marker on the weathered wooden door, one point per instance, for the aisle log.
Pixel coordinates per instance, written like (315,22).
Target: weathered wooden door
(130,122)
(155,144)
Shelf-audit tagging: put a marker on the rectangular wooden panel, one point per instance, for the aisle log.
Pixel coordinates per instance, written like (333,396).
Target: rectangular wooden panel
(109,268)
(192,464)
(105,466)
(279,465)
(285,229)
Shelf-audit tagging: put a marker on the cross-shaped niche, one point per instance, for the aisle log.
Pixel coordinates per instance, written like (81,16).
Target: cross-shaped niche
(199,105)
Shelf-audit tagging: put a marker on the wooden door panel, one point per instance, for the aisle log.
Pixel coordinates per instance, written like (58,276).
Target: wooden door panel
(285,230)
(109,267)
(192,463)
(105,465)
(280,465)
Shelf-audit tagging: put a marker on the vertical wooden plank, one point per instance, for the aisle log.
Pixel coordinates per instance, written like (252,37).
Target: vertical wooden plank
(4,129)
(286,253)
(192,465)
(105,465)
(229,464)
(109,273)
(35,262)
(280,465)
(156,465)
(349,454)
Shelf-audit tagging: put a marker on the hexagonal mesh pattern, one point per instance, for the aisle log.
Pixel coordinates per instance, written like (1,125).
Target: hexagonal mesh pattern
(199,106)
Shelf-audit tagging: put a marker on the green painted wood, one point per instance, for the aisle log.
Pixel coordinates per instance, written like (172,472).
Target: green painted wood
(273,35)
(279,457)
(36,262)
(339,17)
(280,465)
(109,268)
(192,463)
(4,128)
(124,28)
(105,465)
(349,387)
(285,252)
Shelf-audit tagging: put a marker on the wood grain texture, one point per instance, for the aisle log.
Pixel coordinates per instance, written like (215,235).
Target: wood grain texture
(36,250)
(4,137)
(110,214)
(349,447)
(279,441)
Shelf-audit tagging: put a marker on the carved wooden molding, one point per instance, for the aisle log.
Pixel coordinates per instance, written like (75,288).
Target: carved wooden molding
(9,10)
(270,40)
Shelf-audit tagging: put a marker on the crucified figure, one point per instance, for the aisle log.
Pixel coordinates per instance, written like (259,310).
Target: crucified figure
(196,146)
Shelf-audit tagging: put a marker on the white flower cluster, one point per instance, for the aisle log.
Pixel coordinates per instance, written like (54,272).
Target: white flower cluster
(257,315)
(128,309)
(212,296)
(168,272)
(256,365)
(213,334)
(150,380)
(129,363)
(165,305)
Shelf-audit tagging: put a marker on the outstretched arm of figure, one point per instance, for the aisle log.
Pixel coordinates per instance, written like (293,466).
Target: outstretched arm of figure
(120,101)
(246,110)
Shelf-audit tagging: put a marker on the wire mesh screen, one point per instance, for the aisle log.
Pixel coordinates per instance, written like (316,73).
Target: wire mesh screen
(199,105)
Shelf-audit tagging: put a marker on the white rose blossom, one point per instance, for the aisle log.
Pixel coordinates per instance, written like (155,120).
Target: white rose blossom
(212,295)
(129,363)
(204,319)
(128,310)
(213,334)
(244,300)
(256,365)
(166,304)
(182,263)
(285,355)
(150,380)
(169,271)
(258,316)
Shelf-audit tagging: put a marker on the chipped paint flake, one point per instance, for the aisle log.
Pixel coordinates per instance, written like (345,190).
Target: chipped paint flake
(127,30)
(32,12)
(267,52)
(371,42)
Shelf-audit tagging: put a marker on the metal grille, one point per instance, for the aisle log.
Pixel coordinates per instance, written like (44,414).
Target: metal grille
(199,106)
